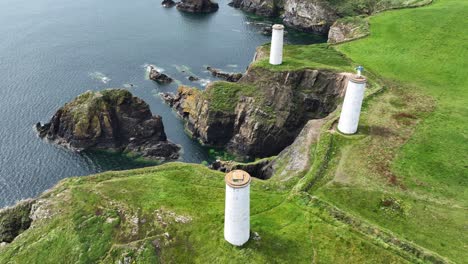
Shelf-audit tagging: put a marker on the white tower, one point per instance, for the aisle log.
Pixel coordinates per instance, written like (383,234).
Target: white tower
(349,119)
(237,210)
(276,51)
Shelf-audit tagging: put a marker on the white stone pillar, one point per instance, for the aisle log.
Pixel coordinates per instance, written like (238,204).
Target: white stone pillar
(237,210)
(349,119)
(276,51)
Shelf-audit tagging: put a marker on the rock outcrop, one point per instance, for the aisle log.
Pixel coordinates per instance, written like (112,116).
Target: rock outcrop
(292,163)
(230,77)
(168,3)
(348,29)
(158,77)
(309,15)
(261,114)
(15,220)
(113,120)
(197,6)
(267,8)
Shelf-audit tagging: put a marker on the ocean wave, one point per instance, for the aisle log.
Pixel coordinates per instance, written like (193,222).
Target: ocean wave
(100,77)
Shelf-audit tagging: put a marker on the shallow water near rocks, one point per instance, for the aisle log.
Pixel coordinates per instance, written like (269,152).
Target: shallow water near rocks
(51,51)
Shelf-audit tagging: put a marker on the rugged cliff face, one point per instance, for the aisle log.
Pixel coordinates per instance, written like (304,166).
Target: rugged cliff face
(309,15)
(111,119)
(348,29)
(318,15)
(267,8)
(261,114)
(15,220)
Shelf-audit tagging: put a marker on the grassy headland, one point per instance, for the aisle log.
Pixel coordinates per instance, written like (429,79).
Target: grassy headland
(393,193)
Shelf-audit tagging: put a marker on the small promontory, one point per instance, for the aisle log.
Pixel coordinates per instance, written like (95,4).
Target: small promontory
(112,119)
(264,111)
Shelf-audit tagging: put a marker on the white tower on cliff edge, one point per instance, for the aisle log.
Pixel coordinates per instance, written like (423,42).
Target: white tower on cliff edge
(349,119)
(276,51)
(237,210)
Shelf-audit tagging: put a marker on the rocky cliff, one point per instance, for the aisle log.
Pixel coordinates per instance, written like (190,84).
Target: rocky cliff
(267,8)
(261,114)
(318,15)
(112,119)
(348,29)
(309,15)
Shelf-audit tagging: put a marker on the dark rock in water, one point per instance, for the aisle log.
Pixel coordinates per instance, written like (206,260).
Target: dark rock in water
(197,6)
(230,77)
(169,98)
(193,78)
(158,77)
(168,3)
(15,220)
(112,119)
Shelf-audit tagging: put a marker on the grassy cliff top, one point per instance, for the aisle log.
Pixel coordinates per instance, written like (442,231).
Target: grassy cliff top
(174,213)
(299,57)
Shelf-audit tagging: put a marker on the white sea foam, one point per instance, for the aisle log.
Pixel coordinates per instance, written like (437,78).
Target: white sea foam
(204,82)
(232,66)
(100,77)
(129,85)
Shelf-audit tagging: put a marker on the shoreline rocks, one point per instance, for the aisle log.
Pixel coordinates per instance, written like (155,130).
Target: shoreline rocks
(158,77)
(230,77)
(197,6)
(112,119)
(266,8)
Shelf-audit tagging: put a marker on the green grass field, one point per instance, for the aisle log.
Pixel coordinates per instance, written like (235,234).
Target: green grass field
(415,145)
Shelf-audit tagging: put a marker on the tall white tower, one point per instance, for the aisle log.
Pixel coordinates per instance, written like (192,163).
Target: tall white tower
(237,210)
(351,111)
(276,51)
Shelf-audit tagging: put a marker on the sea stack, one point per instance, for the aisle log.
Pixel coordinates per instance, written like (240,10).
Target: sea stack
(112,119)
(276,51)
(197,6)
(237,210)
(351,111)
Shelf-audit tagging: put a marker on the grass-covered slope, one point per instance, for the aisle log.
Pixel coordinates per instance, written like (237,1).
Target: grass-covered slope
(174,214)
(407,169)
(427,49)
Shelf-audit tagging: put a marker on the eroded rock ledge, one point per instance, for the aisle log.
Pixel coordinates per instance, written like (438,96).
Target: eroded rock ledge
(15,220)
(262,113)
(111,120)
